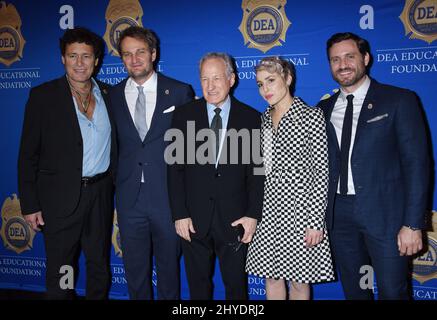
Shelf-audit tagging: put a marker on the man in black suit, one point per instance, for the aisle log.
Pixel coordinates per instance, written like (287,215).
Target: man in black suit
(216,205)
(379,171)
(64,168)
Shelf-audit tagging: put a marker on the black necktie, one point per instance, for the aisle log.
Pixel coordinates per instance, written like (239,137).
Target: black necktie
(346,134)
(216,126)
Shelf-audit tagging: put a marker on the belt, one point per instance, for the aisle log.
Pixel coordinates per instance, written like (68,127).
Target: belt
(90,180)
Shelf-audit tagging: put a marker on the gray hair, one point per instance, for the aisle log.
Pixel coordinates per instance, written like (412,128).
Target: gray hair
(219,55)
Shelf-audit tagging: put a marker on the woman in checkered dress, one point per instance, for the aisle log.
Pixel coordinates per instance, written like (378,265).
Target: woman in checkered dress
(291,242)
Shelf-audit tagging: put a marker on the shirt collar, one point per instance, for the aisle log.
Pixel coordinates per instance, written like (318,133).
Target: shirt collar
(96,88)
(149,85)
(225,107)
(360,93)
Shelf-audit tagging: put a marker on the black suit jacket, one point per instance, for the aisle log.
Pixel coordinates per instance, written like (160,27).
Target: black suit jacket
(230,190)
(51,150)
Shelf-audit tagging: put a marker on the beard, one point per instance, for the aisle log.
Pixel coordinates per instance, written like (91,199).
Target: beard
(359,73)
(140,74)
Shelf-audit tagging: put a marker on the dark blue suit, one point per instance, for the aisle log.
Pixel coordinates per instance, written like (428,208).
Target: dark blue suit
(390,169)
(144,216)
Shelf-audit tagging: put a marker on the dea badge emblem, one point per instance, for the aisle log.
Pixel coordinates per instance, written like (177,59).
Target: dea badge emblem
(420,19)
(116,237)
(264,23)
(11,39)
(120,14)
(425,266)
(15,232)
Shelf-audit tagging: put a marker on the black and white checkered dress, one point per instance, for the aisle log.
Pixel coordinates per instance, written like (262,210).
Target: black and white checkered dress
(295,194)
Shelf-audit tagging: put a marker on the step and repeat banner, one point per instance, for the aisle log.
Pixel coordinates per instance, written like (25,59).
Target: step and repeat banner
(402,35)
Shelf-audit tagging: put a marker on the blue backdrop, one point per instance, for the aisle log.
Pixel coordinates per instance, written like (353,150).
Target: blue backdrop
(402,35)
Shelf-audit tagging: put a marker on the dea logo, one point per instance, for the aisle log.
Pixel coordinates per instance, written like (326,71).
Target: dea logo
(15,232)
(11,39)
(116,237)
(120,14)
(264,23)
(425,266)
(420,19)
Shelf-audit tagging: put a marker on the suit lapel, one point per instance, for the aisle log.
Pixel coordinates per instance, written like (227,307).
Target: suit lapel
(200,116)
(125,108)
(233,123)
(105,94)
(367,110)
(202,121)
(66,101)
(233,116)
(163,91)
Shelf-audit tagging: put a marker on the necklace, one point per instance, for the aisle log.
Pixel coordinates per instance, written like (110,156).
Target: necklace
(84,102)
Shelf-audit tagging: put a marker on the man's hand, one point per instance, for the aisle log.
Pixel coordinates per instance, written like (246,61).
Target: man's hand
(184,227)
(409,241)
(249,226)
(34,220)
(313,237)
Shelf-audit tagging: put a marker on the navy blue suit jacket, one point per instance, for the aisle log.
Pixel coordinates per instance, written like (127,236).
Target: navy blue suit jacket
(134,155)
(389,161)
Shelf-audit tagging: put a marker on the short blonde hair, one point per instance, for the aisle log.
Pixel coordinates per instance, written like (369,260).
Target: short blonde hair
(278,65)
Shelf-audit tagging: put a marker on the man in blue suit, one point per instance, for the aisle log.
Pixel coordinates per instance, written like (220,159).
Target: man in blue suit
(143,105)
(379,173)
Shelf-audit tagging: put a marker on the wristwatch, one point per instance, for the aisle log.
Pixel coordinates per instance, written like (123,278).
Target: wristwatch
(413,228)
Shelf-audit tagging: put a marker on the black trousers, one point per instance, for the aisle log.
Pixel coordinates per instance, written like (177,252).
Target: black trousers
(199,259)
(88,228)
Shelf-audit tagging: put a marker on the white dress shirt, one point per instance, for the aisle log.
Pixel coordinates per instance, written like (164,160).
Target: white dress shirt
(149,89)
(337,118)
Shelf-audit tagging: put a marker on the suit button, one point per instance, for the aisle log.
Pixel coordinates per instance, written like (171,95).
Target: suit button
(140,164)
(218,175)
(211,199)
(79,144)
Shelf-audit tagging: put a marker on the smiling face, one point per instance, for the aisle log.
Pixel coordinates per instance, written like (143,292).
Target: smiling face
(216,83)
(138,59)
(274,88)
(79,62)
(348,65)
